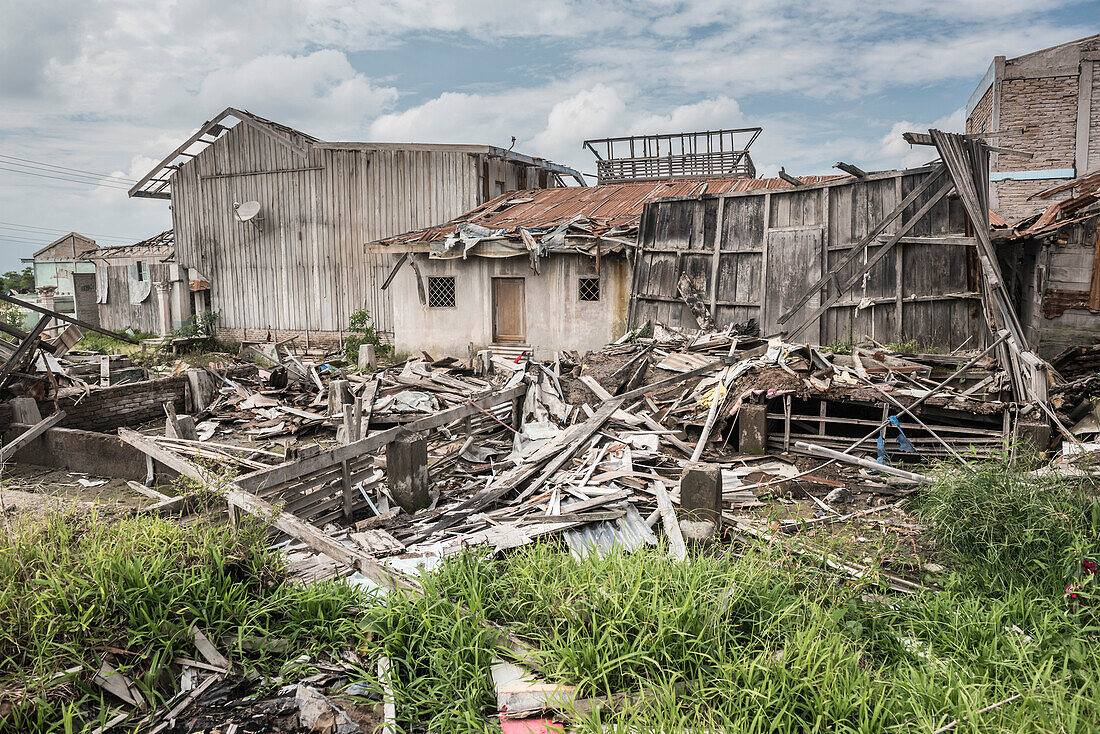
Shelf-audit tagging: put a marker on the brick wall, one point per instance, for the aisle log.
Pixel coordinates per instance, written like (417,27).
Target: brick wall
(1012,197)
(982,116)
(327,339)
(1094,120)
(1040,116)
(109,408)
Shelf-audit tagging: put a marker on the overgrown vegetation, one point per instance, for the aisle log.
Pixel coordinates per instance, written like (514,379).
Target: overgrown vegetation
(362,331)
(747,638)
(199,325)
(78,588)
(17,280)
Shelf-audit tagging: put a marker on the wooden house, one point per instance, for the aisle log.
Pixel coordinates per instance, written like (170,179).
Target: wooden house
(277,219)
(767,255)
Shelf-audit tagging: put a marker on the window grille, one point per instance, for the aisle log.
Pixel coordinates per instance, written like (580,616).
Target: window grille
(589,289)
(441,292)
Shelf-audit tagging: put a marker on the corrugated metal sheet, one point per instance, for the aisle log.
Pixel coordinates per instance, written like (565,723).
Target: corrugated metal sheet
(608,207)
(628,533)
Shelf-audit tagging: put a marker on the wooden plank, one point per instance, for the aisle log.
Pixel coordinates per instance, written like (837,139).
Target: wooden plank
(858,248)
(258,481)
(676,546)
(284,521)
(29,435)
(65,317)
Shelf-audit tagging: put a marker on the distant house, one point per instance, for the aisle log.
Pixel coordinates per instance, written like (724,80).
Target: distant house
(60,275)
(277,219)
(141,287)
(1046,103)
(533,271)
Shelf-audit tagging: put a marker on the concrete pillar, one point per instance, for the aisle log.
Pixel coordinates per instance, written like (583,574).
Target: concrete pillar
(180,300)
(202,389)
(162,292)
(701,493)
(752,425)
(339,395)
(407,472)
(368,358)
(186,426)
(1033,436)
(25,410)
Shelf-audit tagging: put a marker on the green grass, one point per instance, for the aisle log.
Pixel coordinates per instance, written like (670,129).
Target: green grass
(77,584)
(746,638)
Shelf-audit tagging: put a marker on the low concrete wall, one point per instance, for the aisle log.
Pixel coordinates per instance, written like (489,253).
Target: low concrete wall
(99,454)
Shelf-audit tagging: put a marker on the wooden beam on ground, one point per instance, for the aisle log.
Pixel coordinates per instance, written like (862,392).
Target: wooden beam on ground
(283,473)
(676,547)
(23,350)
(65,317)
(29,435)
(284,521)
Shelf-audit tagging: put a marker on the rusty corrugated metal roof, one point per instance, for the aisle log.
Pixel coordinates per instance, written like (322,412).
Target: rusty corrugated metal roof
(609,207)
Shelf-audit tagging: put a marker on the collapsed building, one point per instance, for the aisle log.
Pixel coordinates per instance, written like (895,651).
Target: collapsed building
(275,219)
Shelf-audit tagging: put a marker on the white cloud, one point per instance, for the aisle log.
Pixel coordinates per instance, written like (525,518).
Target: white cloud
(330,98)
(897,153)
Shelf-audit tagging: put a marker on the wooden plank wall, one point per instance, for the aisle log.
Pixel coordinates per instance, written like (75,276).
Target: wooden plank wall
(306,269)
(744,246)
(118,314)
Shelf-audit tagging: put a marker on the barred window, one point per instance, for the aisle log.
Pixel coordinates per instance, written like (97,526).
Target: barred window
(589,289)
(441,292)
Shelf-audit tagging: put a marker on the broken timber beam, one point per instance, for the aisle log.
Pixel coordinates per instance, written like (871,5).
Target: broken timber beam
(65,317)
(284,521)
(816,450)
(29,435)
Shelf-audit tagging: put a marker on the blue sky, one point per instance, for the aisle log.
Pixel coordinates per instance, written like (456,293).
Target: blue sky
(111,87)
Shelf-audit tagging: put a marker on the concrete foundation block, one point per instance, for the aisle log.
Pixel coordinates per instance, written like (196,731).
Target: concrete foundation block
(752,426)
(407,472)
(1033,436)
(701,493)
(339,395)
(368,358)
(25,410)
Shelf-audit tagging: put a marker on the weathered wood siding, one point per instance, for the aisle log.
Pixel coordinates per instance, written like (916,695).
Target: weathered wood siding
(758,251)
(1054,280)
(305,269)
(118,314)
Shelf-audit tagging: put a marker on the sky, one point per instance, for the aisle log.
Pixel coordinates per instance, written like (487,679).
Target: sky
(101,91)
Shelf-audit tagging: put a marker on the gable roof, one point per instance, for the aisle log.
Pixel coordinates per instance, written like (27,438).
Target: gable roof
(154,184)
(87,243)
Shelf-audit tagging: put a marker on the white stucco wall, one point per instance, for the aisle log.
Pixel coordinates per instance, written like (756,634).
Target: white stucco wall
(556,317)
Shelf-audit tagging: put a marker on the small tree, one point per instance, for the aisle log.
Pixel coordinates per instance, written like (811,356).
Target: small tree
(361,326)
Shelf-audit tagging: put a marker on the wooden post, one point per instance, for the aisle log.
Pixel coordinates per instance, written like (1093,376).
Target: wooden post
(348,489)
(407,471)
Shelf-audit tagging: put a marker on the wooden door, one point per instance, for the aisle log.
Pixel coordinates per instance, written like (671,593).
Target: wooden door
(793,264)
(509,311)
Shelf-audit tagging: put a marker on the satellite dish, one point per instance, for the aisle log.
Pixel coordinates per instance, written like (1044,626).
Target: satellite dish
(248,211)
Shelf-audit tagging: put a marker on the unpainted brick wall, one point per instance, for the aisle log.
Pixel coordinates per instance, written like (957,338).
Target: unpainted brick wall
(128,404)
(982,116)
(1094,120)
(1040,116)
(1012,201)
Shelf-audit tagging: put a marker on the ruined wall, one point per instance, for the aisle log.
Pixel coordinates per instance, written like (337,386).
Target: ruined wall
(1065,278)
(1094,119)
(981,118)
(556,318)
(129,404)
(1014,200)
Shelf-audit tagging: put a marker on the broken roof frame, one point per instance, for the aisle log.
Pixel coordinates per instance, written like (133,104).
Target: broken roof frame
(702,154)
(155,184)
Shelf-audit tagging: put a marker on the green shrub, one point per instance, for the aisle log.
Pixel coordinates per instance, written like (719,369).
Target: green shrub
(362,329)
